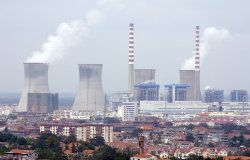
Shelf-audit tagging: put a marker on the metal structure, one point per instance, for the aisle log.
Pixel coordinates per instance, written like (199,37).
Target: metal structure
(239,96)
(131,60)
(192,77)
(148,91)
(176,92)
(36,81)
(89,96)
(213,95)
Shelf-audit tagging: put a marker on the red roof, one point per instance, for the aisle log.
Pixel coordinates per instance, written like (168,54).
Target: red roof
(21,151)
(145,155)
(88,151)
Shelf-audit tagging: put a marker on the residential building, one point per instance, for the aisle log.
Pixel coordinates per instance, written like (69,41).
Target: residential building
(144,156)
(128,111)
(82,131)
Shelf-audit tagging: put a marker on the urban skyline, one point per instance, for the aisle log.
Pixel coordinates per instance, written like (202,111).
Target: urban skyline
(163,41)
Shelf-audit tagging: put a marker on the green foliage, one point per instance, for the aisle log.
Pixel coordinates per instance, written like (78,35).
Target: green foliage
(194,157)
(204,125)
(48,146)
(3,149)
(245,153)
(21,141)
(247,143)
(210,145)
(110,120)
(189,137)
(85,145)
(70,139)
(6,136)
(105,153)
(97,141)
(237,141)
(12,116)
(190,126)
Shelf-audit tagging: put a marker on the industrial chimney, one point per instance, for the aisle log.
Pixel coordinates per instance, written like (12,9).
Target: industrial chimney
(192,77)
(131,60)
(89,96)
(36,81)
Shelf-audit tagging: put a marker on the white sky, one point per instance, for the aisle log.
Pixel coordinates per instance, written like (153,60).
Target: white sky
(164,38)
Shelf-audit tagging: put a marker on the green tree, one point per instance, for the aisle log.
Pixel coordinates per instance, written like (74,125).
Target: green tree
(105,153)
(21,141)
(71,138)
(48,147)
(97,141)
(189,137)
(194,157)
(85,145)
(110,120)
(190,126)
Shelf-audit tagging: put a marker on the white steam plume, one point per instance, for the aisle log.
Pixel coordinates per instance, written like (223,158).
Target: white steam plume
(210,37)
(68,35)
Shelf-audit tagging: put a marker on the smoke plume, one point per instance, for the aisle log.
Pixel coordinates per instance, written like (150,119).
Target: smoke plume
(68,35)
(210,37)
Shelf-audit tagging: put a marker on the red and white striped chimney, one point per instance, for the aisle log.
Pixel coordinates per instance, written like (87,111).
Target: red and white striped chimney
(131,44)
(131,60)
(197,48)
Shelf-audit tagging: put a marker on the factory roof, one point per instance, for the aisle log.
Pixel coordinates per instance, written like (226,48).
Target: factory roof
(181,85)
(147,84)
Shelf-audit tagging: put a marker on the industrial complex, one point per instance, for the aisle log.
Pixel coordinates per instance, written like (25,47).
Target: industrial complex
(144,94)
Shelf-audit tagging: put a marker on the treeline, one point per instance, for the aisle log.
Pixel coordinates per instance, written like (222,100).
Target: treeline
(50,146)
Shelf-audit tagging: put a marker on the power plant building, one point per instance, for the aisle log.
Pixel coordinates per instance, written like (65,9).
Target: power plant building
(176,92)
(213,95)
(147,91)
(117,99)
(239,96)
(89,96)
(42,102)
(36,81)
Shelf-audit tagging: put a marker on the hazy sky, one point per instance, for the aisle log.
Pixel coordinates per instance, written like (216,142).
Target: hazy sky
(164,39)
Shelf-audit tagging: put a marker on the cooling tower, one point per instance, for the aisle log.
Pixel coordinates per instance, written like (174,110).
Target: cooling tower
(89,96)
(142,75)
(36,81)
(192,78)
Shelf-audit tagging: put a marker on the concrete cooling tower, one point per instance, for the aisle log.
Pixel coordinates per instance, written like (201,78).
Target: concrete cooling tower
(36,81)
(142,75)
(89,96)
(192,78)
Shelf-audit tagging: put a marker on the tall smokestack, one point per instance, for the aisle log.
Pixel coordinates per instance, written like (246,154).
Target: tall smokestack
(197,65)
(36,81)
(197,48)
(192,77)
(131,60)
(89,96)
